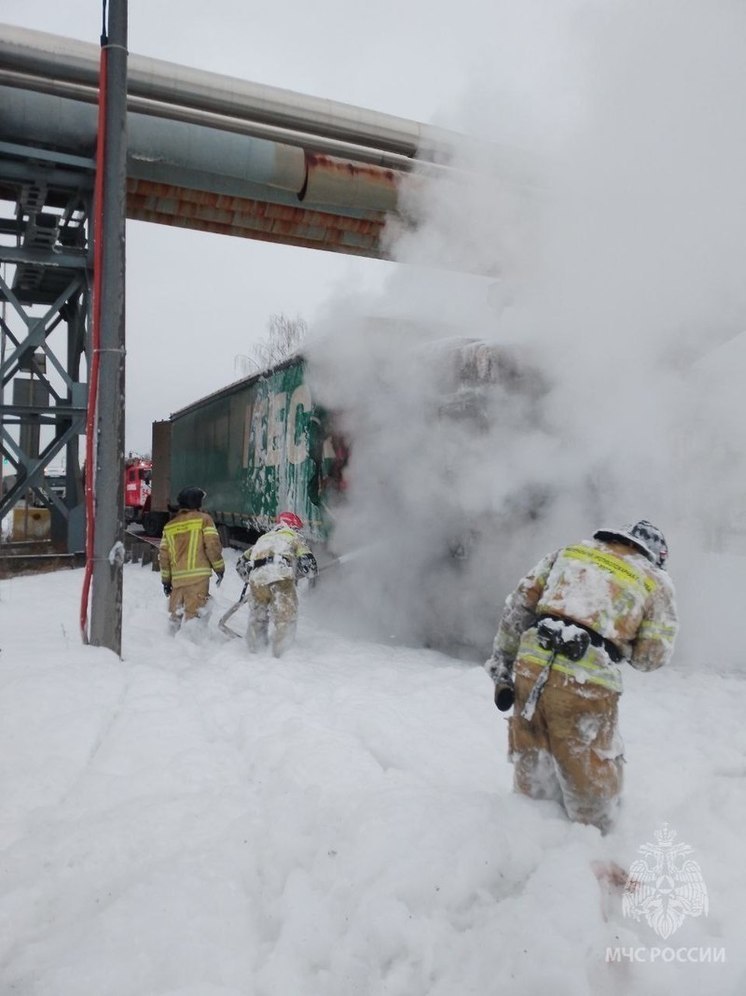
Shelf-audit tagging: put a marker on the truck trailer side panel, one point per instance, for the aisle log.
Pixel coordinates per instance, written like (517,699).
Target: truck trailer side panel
(257,448)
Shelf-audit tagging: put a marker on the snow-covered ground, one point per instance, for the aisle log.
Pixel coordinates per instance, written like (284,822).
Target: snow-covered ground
(192,821)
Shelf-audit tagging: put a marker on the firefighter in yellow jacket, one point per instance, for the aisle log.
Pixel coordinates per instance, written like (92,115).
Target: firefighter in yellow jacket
(566,629)
(190,551)
(271,568)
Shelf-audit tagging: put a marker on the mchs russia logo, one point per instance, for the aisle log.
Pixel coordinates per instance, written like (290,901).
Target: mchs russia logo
(665,886)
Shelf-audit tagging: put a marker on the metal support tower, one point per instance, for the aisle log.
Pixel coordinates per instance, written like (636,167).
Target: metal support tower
(46,284)
(45,200)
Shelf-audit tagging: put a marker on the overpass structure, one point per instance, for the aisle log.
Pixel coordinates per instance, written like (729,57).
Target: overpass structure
(204,151)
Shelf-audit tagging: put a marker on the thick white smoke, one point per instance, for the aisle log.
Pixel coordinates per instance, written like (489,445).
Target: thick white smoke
(596,237)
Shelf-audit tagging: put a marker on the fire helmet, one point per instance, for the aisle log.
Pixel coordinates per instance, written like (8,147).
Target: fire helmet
(191,498)
(644,536)
(290,519)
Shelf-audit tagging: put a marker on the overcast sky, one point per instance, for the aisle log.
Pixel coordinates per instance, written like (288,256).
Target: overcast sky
(216,293)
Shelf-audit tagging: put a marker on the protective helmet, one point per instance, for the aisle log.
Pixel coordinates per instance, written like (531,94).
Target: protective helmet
(191,498)
(290,519)
(644,536)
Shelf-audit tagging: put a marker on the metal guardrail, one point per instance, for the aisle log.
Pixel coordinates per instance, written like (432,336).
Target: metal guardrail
(139,549)
(17,559)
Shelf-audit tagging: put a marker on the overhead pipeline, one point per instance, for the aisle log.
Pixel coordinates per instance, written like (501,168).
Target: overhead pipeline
(46,56)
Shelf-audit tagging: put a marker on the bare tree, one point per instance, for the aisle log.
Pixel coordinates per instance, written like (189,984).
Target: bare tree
(285,337)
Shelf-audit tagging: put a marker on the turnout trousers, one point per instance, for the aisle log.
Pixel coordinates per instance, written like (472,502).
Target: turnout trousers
(278,602)
(188,601)
(570,750)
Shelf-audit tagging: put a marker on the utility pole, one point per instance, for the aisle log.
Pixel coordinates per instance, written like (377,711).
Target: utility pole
(108,549)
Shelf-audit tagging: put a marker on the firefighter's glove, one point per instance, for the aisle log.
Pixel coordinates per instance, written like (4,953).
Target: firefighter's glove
(505,695)
(307,566)
(219,575)
(243,567)
(501,672)
(167,588)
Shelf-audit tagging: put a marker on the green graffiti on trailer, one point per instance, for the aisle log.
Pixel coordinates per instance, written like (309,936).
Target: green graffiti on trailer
(258,447)
(276,450)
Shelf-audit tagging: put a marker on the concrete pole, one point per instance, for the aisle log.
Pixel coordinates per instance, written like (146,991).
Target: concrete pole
(108,550)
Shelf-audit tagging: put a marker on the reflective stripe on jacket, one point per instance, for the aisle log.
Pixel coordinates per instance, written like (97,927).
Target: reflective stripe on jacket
(190,548)
(609,588)
(277,552)
(594,667)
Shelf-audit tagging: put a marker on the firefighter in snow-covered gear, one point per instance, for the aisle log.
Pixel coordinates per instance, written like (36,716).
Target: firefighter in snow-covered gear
(272,567)
(190,551)
(565,630)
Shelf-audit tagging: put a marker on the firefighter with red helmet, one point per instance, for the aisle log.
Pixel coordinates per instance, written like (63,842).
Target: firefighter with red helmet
(272,567)
(565,630)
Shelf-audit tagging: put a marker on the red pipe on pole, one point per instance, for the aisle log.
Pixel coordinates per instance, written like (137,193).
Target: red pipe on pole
(90,430)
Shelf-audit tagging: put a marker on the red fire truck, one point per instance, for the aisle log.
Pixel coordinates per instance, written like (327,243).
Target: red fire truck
(138,475)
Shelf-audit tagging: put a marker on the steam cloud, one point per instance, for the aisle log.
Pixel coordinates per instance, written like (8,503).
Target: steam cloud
(595,236)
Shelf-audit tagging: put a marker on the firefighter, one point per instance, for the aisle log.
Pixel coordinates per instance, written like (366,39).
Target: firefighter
(565,630)
(272,567)
(190,551)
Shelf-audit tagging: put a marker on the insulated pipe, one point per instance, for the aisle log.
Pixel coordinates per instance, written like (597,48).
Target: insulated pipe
(70,125)
(66,125)
(199,158)
(301,139)
(51,56)
(340,183)
(210,152)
